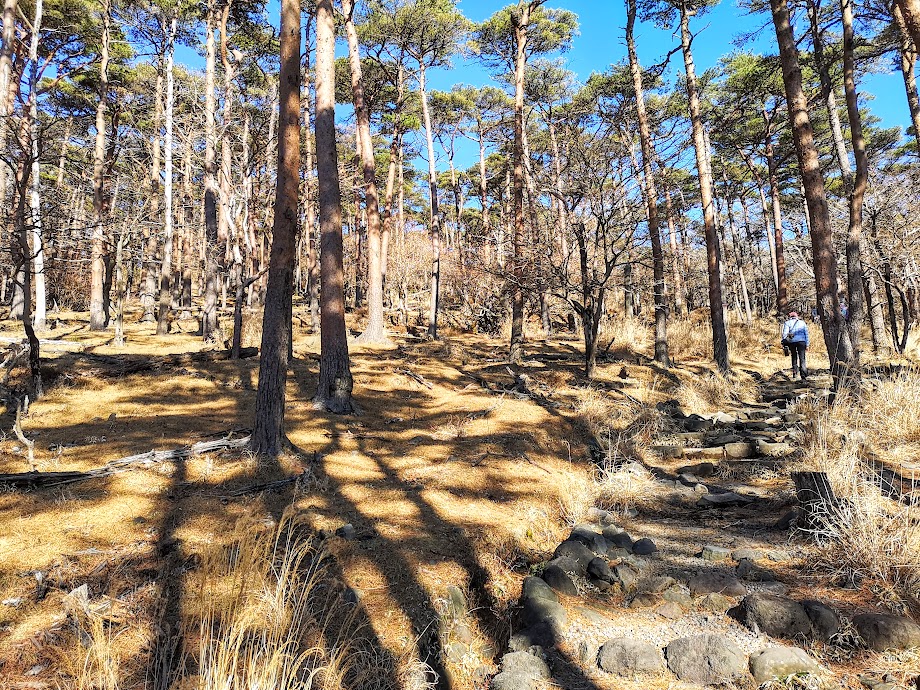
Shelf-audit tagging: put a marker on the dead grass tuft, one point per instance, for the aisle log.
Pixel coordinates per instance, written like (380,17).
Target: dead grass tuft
(714,392)
(870,538)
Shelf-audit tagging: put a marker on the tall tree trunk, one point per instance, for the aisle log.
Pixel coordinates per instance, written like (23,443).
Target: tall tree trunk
(97,313)
(335,380)
(779,254)
(435,217)
(166,279)
(651,189)
(268,430)
(149,279)
(857,306)
(716,305)
(827,92)
(520,21)
(483,181)
(6,87)
(20,256)
(562,215)
(680,306)
(211,239)
(836,337)
(374,331)
(188,246)
(910,12)
(38,249)
(908,71)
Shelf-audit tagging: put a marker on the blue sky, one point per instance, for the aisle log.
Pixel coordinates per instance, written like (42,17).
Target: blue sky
(601,43)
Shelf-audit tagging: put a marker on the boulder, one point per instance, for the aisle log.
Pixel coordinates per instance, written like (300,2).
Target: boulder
(702,469)
(824,620)
(535,588)
(626,657)
(598,569)
(657,584)
(708,583)
(706,659)
(527,663)
(774,450)
(750,571)
(723,500)
(781,662)
(626,576)
(677,594)
(644,600)
(559,580)
(508,680)
(883,631)
(740,450)
(577,552)
(715,553)
(618,540)
(747,554)
(537,611)
(775,616)
(644,547)
(587,536)
(670,610)
(715,603)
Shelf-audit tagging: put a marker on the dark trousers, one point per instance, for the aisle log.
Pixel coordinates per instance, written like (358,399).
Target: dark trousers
(797,350)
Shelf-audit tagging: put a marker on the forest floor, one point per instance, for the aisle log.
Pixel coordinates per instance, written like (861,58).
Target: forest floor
(462,471)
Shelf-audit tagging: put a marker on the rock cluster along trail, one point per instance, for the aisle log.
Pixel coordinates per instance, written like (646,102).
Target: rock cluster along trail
(709,586)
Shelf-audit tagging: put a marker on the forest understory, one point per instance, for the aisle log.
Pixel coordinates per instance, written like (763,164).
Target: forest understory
(388,550)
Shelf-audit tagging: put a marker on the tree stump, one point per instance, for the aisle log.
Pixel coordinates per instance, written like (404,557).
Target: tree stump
(816,498)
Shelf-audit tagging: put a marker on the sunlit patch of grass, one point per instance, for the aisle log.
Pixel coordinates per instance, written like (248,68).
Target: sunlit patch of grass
(713,392)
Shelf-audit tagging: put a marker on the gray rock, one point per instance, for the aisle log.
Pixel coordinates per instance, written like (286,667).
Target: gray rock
(824,620)
(676,594)
(781,662)
(567,564)
(747,554)
(346,532)
(527,663)
(696,423)
(644,547)
(657,584)
(456,601)
(702,469)
(559,580)
(882,631)
(509,680)
(715,602)
(715,553)
(706,659)
(723,418)
(723,500)
(537,611)
(600,516)
(619,554)
(535,588)
(644,600)
(587,536)
(620,540)
(724,439)
(748,570)
(670,610)
(610,531)
(577,552)
(626,657)
(626,576)
(708,583)
(774,450)
(542,635)
(740,450)
(598,569)
(775,616)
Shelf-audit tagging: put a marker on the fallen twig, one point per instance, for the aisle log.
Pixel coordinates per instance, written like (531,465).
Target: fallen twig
(42,479)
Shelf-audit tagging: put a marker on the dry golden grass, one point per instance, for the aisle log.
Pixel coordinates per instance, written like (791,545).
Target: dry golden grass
(870,537)
(712,392)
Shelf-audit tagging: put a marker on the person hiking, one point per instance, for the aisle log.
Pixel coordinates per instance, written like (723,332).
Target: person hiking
(795,339)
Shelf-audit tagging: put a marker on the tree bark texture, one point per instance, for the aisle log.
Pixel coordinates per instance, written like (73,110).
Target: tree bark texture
(836,337)
(716,306)
(335,380)
(97,314)
(651,189)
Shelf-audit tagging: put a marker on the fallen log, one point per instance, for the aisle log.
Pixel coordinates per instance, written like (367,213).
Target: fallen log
(36,480)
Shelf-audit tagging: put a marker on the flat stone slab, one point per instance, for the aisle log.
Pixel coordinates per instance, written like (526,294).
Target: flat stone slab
(706,659)
(627,657)
(781,662)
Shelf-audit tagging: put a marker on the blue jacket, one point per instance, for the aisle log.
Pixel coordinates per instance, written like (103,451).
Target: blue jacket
(796,331)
